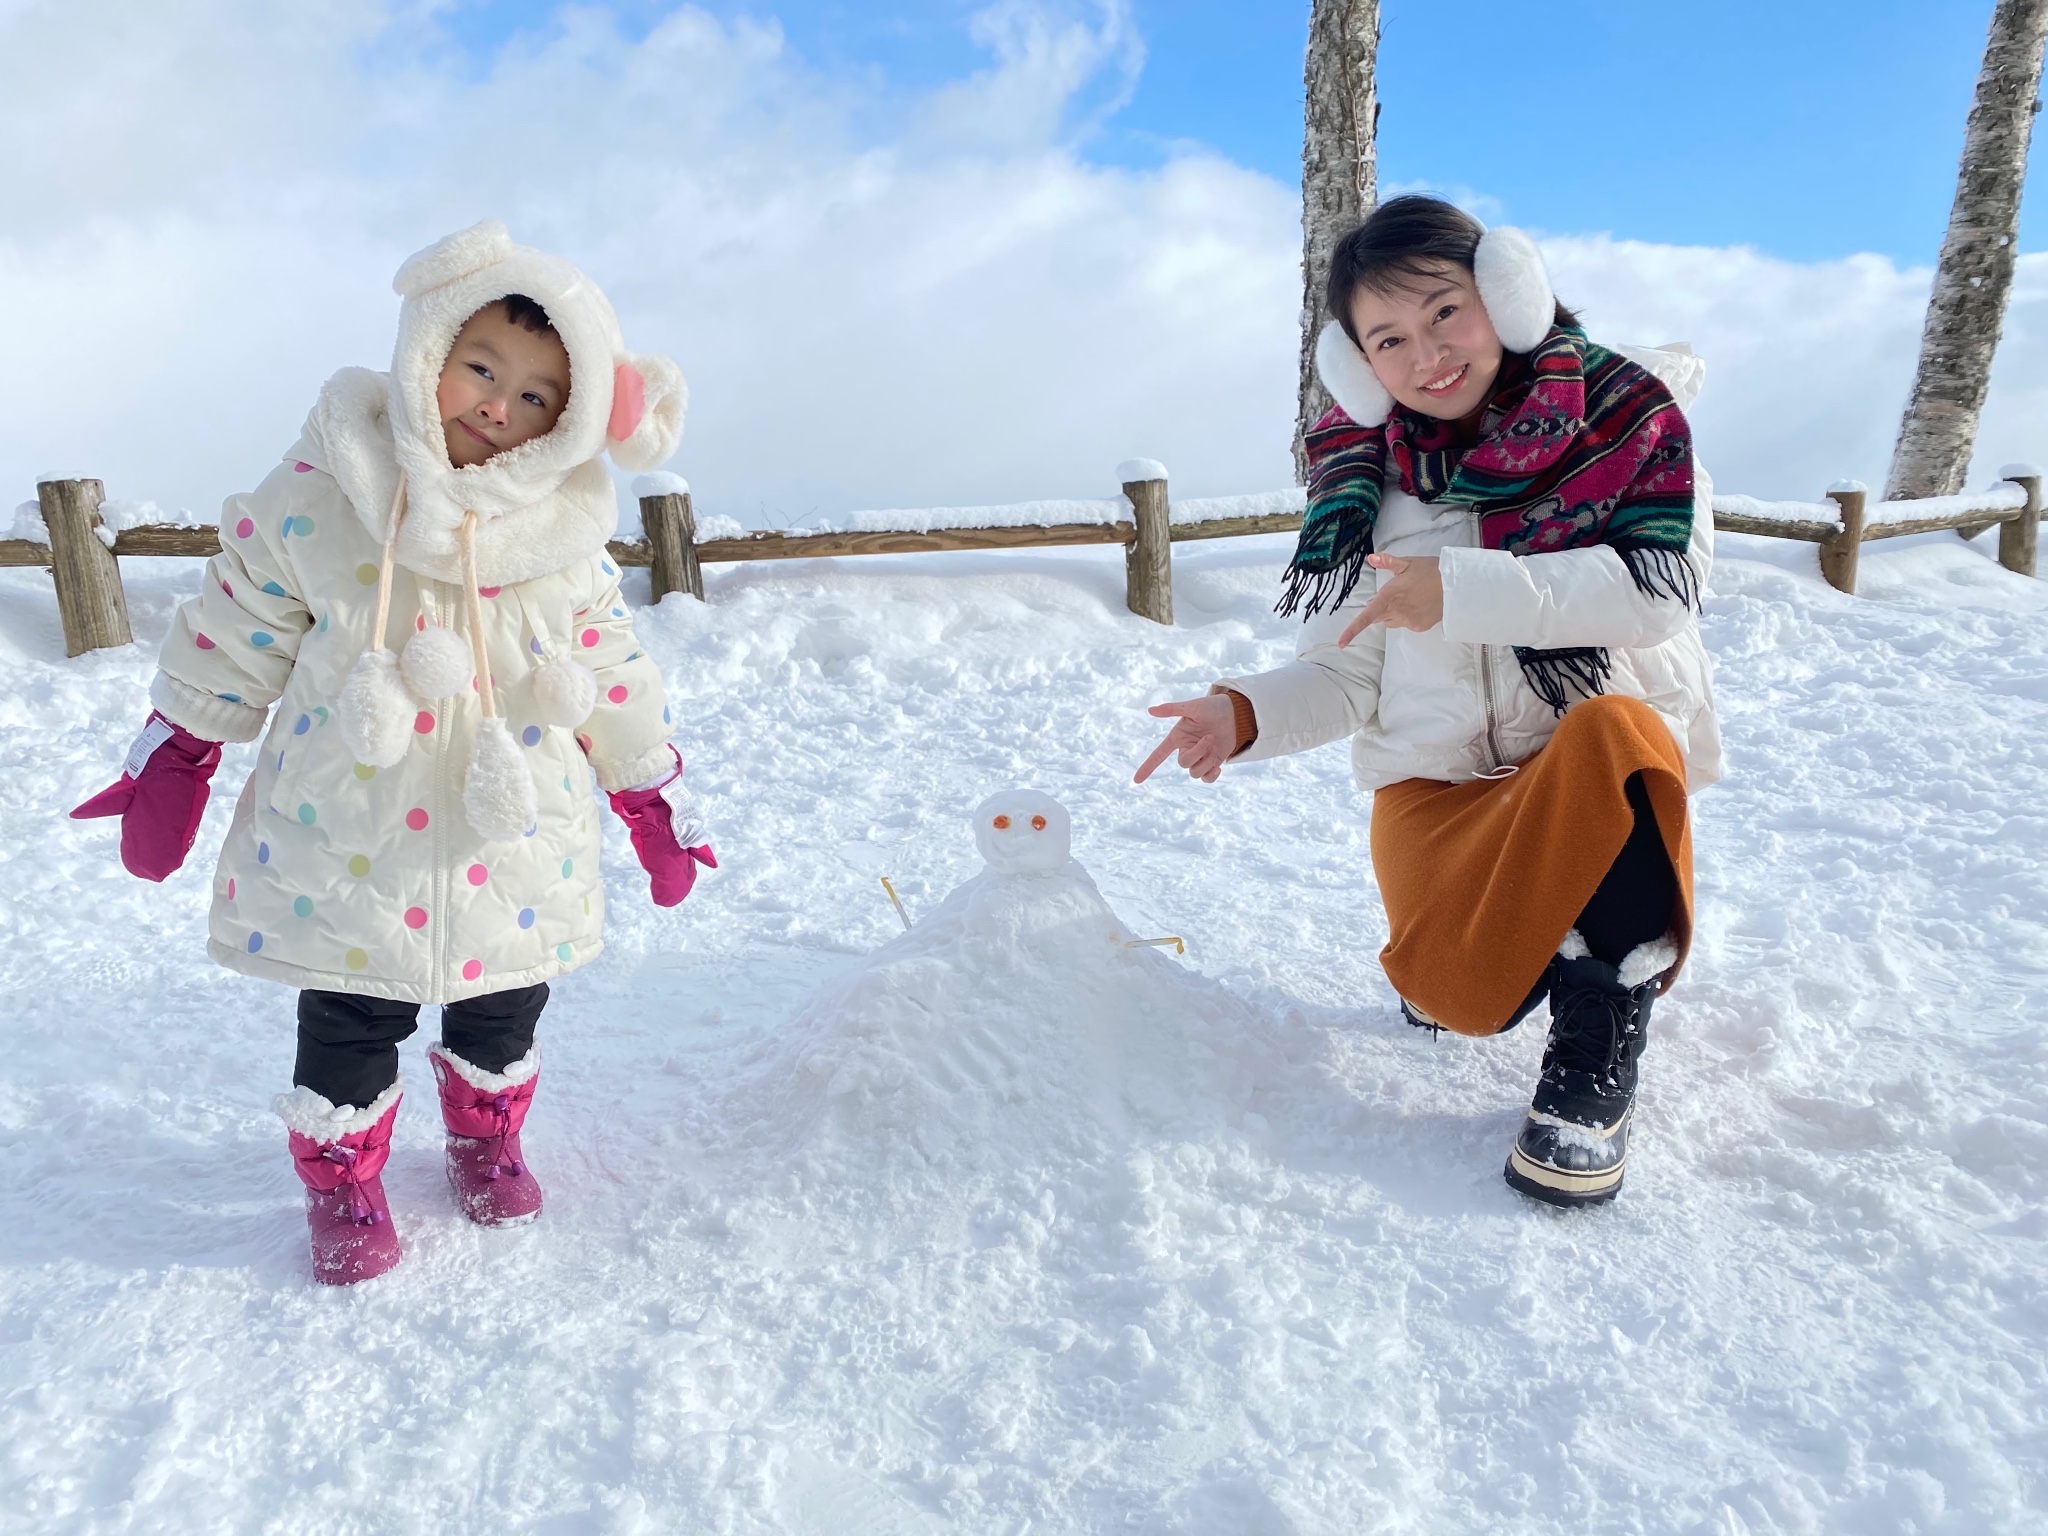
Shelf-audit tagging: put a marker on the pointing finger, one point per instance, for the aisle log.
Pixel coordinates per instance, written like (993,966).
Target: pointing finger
(1159,755)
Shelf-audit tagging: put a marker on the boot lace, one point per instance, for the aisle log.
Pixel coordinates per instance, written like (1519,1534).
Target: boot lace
(501,1111)
(361,1210)
(1591,1034)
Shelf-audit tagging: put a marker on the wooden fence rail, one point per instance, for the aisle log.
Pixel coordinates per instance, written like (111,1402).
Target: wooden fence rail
(83,559)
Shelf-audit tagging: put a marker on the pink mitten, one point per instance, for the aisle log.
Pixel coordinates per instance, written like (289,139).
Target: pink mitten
(668,836)
(160,797)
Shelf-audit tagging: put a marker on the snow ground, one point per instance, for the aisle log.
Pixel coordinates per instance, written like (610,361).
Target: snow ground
(1298,1300)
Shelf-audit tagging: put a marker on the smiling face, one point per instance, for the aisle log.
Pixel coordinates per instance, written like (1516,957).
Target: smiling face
(1021,831)
(1430,342)
(502,385)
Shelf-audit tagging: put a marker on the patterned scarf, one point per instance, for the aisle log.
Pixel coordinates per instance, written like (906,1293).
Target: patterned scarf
(1578,446)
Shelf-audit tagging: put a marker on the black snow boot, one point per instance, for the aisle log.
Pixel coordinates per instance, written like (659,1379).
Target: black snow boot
(1573,1146)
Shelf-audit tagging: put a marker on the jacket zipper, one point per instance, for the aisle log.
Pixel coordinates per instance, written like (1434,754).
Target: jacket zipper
(1496,759)
(445,733)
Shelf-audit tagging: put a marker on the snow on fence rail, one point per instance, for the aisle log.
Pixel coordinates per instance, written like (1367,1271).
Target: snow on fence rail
(77,535)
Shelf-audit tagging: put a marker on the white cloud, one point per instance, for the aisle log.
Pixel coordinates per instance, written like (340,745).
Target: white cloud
(206,203)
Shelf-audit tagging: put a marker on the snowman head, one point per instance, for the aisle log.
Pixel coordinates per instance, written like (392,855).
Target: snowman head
(1021,832)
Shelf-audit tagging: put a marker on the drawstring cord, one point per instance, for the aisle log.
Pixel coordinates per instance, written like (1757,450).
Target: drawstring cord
(360,1210)
(501,1107)
(398,507)
(475,605)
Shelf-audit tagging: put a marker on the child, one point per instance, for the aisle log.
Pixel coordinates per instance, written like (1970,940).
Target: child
(419,827)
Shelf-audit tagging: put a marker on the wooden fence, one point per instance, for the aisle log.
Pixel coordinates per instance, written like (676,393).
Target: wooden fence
(84,559)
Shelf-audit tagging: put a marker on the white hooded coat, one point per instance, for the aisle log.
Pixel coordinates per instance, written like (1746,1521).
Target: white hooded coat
(344,876)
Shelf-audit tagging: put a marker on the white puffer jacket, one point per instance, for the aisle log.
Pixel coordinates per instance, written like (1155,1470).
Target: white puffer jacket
(1451,703)
(348,876)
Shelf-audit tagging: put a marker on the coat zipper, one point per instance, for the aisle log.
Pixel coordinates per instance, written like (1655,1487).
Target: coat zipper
(441,918)
(1496,759)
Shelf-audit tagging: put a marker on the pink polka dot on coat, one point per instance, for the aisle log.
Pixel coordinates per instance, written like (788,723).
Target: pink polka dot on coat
(415,917)
(616,693)
(589,638)
(423,722)
(204,642)
(488,591)
(471,969)
(244,528)
(416,818)
(302,468)
(478,874)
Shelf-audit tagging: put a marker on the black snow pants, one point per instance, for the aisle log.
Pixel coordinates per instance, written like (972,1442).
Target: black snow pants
(348,1045)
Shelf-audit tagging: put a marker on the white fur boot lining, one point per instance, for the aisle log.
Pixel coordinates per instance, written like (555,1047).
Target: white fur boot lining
(1645,962)
(314,1118)
(520,1071)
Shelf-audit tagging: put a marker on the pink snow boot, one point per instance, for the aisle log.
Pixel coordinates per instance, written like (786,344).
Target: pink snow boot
(483,1112)
(339,1155)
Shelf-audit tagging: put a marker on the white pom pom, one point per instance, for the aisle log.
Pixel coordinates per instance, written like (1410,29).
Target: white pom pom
(565,692)
(498,795)
(436,663)
(375,711)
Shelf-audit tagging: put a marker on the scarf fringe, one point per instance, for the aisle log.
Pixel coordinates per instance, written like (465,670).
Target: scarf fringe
(1660,572)
(1556,675)
(1321,589)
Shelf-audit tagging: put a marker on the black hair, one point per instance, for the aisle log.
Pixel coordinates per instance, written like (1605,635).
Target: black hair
(1403,241)
(528,314)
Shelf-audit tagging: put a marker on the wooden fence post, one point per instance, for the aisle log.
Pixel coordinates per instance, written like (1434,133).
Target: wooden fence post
(1148,559)
(2019,540)
(89,597)
(1838,555)
(671,526)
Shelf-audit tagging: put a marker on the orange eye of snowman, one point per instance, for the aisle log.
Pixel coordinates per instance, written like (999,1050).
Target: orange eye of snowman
(1038,823)
(1002,823)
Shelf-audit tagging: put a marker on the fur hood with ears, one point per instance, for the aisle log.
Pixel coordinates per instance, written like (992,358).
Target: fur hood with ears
(538,506)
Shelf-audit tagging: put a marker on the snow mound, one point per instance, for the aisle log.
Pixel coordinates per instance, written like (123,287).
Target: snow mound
(1017,1024)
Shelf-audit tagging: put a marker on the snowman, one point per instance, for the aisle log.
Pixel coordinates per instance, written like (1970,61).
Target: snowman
(1015,1022)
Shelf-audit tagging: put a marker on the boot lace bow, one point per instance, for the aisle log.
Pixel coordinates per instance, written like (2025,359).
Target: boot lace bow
(361,1210)
(501,1135)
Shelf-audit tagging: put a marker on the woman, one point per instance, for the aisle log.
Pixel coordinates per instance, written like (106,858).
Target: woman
(1500,566)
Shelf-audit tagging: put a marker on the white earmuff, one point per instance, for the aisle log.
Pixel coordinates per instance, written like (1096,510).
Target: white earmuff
(1349,377)
(1514,285)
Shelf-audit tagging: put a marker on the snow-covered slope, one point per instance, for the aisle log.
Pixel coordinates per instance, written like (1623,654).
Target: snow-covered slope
(1292,1296)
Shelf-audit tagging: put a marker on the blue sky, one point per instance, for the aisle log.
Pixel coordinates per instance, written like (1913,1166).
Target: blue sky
(960,242)
(1810,129)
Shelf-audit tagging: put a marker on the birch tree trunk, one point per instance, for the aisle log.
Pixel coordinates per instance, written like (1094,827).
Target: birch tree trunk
(1974,276)
(1339,170)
